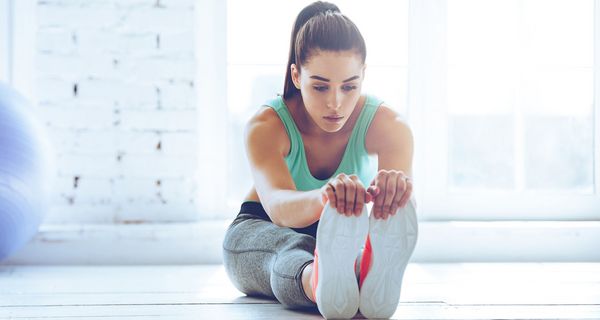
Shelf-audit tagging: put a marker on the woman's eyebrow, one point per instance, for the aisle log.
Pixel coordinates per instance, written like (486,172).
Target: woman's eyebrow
(327,80)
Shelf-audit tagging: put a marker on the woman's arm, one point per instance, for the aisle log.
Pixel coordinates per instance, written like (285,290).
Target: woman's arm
(391,138)
(267,144)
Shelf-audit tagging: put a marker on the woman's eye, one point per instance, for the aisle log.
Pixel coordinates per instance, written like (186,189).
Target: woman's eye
(324,88)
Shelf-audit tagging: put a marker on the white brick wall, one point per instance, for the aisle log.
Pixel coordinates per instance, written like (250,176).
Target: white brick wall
(115,88)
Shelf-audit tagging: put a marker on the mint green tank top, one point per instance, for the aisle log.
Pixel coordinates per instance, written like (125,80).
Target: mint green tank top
(354,161)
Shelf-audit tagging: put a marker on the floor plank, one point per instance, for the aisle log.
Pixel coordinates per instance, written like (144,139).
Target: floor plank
(430,291)
(274,311)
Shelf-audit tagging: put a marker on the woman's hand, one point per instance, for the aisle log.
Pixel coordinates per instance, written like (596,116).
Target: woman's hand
(392,191)
(346,193)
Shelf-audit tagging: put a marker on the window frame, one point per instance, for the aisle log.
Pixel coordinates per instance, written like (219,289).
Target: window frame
(5,40)
(17,45)
(211,84)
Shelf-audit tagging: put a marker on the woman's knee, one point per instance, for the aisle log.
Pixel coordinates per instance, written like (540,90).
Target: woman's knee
(248,271)
(233,272)
(288,288)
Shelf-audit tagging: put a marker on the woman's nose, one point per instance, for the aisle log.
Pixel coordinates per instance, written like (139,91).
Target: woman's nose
(335,100)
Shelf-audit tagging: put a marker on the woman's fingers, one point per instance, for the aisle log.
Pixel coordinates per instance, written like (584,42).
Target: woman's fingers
(350,188)
(360,195)
(347,194)
(400,193)
(330,192)
(372,192)
(380,182)
(390,193)
(407,193)
(394,189)
(340,195)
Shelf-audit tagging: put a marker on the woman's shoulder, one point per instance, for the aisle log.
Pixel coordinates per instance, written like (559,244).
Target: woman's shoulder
(387,124)
(267,112)
(386,112)
(383,113)
(265,127)
(264,114)
(267,119)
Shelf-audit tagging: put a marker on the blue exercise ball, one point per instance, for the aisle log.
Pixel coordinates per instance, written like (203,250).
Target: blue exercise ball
(25,172)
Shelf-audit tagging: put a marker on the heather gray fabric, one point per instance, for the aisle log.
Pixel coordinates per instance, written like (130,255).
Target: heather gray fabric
(263,259)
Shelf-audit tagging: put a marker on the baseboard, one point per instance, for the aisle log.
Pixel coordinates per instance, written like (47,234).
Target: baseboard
(200,243)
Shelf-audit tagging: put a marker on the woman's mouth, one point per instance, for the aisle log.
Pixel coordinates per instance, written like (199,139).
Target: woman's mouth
(333,119)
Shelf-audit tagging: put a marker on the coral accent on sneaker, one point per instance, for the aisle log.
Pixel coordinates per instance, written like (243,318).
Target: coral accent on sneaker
(365,262)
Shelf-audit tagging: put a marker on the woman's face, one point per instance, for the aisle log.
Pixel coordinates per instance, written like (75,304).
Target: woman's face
(330,83)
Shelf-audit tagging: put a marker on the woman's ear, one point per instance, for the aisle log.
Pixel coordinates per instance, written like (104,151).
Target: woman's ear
(295,75)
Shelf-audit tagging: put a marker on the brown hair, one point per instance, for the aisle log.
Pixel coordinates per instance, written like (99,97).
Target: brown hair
(320,26)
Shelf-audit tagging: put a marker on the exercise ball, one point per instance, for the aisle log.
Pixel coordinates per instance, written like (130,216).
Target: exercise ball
(26,167)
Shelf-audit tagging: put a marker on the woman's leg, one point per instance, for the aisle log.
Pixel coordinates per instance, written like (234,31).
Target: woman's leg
(264,259)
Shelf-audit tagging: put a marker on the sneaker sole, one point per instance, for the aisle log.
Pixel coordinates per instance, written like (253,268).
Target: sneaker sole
(339,239)
(392,242)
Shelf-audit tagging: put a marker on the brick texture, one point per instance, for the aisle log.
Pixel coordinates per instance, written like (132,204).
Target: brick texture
(115,88)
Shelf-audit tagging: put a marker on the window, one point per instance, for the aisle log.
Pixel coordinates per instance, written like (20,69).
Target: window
(511,136)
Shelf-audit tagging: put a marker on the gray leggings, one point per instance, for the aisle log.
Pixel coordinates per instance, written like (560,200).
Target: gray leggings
(263,259)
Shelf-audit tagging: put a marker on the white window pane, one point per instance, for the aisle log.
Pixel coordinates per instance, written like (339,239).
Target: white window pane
(481,153)
(558,91)
(559,153)
(488,89)
(482,32)
(558,32)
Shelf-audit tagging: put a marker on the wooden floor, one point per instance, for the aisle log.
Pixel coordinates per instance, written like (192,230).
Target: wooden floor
(430,291)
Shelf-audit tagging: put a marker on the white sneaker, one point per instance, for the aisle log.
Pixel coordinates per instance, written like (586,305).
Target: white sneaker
(393,241)
(339,239)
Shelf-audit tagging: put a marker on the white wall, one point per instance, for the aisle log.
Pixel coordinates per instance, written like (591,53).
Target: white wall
(115,87)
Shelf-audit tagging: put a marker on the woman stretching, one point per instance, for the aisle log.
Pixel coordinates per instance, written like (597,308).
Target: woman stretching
(313,152)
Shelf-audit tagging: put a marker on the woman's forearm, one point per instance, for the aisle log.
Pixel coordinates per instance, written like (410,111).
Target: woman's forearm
(295,209)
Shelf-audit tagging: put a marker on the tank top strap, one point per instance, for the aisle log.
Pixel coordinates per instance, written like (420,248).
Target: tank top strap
(288,122)
(364,122)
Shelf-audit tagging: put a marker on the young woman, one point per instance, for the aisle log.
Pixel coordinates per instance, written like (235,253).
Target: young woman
(299,232)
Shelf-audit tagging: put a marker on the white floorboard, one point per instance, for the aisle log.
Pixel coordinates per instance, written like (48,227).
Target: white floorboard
(430,291)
